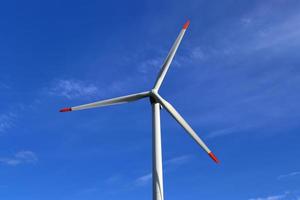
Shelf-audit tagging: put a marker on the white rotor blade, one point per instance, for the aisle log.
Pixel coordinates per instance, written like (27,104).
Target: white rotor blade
(108,102)
(170,57)
(185,125)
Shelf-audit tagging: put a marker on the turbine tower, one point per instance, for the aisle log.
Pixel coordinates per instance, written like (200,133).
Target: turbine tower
(156,102)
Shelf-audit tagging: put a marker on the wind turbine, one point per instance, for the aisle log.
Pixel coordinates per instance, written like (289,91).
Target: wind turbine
(156,101)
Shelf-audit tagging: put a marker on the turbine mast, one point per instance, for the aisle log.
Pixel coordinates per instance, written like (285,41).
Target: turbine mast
(157,171)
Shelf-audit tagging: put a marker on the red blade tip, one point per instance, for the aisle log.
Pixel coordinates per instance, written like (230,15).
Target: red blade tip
(65,110)
(213,157)
(186,25)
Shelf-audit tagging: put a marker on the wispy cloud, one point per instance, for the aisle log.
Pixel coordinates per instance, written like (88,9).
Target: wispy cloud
(146,178)
(149,65)
(288,195)
(273,197)
(4,86)
(178,160)
(231,130)
(73,89)
(6,121)
(289,175)
(251,35)
(143,180)
(76,89)
(285,34)
(116,178)
(247,89)
(89,190)
(21,157)
(197,53)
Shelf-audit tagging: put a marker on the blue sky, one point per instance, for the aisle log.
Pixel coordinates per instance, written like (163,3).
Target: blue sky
(235,79)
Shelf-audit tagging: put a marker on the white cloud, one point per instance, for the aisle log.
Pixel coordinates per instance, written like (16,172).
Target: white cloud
(292,174)
(89,190)
(254,32)
(21,157)
(149,65)
(285,33)
(287,195)
(6,121)
(4,86)
(246,21)
(232,130)
(145,179)
(198,54)
(275,197)
(73,89)
(113,179)
(178,160)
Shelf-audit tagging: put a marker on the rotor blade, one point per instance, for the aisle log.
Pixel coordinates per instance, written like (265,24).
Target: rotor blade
(170,57)
(185,125)
(108,102)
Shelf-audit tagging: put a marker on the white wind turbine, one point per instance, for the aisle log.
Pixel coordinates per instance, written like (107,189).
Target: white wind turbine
(156,101)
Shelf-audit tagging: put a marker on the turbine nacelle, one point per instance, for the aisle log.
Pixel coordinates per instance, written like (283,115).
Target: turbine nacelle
(153,95)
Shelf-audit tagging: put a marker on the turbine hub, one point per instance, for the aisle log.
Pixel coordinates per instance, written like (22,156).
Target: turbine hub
(153,96)
(154,92)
